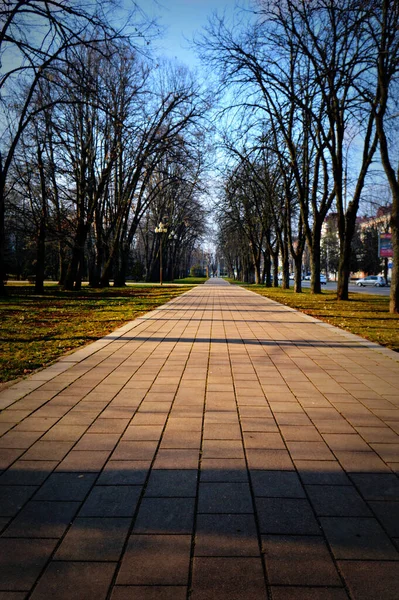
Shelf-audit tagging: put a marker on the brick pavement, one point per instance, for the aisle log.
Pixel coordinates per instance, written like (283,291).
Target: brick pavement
(222,447)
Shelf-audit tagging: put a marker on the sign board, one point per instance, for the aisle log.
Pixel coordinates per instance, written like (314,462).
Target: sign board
(385,245)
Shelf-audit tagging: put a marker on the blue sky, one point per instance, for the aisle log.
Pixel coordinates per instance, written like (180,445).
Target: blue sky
(182,19)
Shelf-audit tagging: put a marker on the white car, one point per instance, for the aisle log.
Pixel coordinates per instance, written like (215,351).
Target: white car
(375,280)
(323,278)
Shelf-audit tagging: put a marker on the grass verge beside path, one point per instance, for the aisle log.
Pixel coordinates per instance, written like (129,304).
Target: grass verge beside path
(191,280)
(37,329)
(364,315)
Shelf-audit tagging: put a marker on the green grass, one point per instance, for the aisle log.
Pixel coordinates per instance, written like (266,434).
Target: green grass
(191,280)
(366,315)
(37,329)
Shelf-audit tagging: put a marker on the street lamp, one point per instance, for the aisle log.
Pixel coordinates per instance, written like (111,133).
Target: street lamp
(160,229)
(173,237)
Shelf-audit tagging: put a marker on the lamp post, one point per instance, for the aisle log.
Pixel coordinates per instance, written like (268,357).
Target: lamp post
(160,229)
(173,237)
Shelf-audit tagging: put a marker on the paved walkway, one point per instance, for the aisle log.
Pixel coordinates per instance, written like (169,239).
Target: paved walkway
(223,447)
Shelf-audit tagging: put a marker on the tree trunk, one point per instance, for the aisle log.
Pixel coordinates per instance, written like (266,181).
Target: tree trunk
(394,297)
(344,259)
(298,273)
(275,270)
(62,264)
(3,275)
(40,257)
(267,269)
(121,270)
(73,273)
(315,285)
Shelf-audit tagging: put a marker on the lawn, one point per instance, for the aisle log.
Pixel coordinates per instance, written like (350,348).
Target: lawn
(366,315)
(37,329)
(191,280)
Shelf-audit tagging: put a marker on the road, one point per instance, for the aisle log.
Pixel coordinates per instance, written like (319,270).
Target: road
(332,285)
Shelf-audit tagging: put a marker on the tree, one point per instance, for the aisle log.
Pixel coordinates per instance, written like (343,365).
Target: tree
(31,55)
(385,34)
(272,86)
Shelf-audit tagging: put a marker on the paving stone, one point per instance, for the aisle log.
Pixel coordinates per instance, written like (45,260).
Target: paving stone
(48,450)
(94,539)
(90,461)
(231,578)
(31,554)
(13,416)
(97,441)
(67,487)
(350,442)
(388,514)
(226,535)
(309,451)
(300,434)
(297,419)
(148,593)
(216,431)
(377,486)
(299,560)
(308,593)
(378,434)
(156,560)
(176,459)
(108,425)
(78,418)
(277,484)
(337,501)
(4,521)
(26,472)
(334,426)
(224,470)
(165,515)
(272,460)
(65,433)
(77,580)
(124,472)
(361,462)
(13,497)
(222,449)
(267,441)
(135,450)
(172,483)
(358,539)
(388,452)
(258,424)
(42,520)
(321,472)
(111,501)
(369,580)
(141,432)
(8,456)
(224,498)
(286,516)
(19,439)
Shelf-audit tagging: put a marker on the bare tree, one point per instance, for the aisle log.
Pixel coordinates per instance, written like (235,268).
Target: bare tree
(385,35)
(34,38)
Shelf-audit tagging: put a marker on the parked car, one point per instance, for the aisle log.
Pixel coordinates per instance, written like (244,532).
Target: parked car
(375,280)
(323,278)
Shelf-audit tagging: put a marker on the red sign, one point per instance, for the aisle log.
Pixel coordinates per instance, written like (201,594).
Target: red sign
(385,245)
